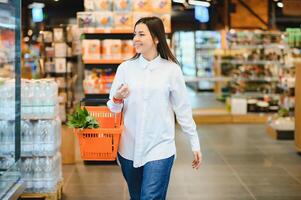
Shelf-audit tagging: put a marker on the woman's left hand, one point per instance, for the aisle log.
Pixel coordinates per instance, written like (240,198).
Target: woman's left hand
(196,163)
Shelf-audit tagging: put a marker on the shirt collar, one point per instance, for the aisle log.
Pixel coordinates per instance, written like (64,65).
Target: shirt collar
(144,64)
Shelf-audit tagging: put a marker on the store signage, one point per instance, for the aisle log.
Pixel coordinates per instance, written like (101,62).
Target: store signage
(37,14)
(201,14)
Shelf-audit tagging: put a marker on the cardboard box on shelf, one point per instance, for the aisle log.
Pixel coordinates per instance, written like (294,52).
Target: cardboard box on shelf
(142,5)
(58,35)
(123,5)
(91,49)
(161,6)
(104,19)
(60,49)
(123,20)
(49,67)
(127,49)
(103,5)
(85,19)
(48,36)
(111,49)
(89,5)
(60,65)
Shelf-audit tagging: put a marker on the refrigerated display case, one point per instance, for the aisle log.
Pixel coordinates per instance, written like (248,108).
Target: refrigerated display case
(11,185)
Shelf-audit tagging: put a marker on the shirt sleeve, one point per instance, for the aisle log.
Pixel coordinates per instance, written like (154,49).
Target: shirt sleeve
(182,108)
(118,80)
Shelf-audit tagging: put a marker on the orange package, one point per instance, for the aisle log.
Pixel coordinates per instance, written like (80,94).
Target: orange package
(123,5)
(161,6)
(127,49)
(103,5)
(123,20)
(111,49)
(142,5)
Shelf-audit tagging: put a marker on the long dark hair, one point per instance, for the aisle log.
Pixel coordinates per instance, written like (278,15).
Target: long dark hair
(156,28)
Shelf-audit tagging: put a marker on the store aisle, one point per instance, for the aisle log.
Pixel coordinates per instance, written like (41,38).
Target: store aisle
(240,162)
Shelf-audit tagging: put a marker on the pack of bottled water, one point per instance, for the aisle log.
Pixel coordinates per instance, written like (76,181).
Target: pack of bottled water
(39,99)
(38,137)
(7,99)
(41,174)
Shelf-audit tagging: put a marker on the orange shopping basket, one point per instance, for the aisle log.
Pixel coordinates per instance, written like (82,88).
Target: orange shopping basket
(101,144)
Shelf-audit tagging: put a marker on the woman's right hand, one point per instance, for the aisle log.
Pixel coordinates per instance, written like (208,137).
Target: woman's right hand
(122,92)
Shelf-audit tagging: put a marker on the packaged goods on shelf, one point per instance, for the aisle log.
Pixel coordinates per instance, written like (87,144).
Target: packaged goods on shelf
(60,49)
(91,49)
(89,5)
(111,49)
(104,19)
(58,35)
(127,49)
(7,99)
(49,52)
(103,5)
(166,21)
(60,65)
(161,6)
(76,48)
(39,99)
(142,5)
(123,20)
(6,162)
(41,174)
(123,5)
(294,37)
(48,36)
(98,81)
(85,19)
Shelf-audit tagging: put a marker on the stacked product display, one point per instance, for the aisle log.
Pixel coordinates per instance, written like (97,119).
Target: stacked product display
(110,15)
(107,27)
(252,65)
(195,52)
(40,133)
(61,47)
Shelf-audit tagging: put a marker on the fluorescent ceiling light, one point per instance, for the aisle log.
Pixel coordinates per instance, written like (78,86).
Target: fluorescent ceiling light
(199,3)
(179,1)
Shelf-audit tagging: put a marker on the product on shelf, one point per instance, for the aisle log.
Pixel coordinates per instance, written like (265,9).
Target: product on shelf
(139,15)
(127,49)
(39,99)
(85,19)
(48,36)
(58,35)
(142,5)
(103,5)
(166,19)
(294,37)
(104,19)
(161,6)
(91,49)
(123,5)
(111,49)
(123,20)
(60,65)
(49,52)
(98,81)
(60,49)
(41,174)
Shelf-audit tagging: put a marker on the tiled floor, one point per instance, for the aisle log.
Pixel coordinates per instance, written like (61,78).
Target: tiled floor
(240,163)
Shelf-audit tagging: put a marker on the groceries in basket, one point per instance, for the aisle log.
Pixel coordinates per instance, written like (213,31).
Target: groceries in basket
(81,119)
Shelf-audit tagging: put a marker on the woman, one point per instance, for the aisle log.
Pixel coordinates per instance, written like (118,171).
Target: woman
(149,89)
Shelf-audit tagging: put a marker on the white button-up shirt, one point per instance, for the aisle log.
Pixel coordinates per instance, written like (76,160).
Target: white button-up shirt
(157,91)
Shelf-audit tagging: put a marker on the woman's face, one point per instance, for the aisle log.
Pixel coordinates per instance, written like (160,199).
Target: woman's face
(143,41)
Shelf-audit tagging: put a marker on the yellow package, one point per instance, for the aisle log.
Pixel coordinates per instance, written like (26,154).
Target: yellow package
(142,5)
(161,6)
(103,5)
(123,20)
(123,5)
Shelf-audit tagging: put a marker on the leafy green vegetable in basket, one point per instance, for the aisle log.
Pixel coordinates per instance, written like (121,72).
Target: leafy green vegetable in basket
(81,119)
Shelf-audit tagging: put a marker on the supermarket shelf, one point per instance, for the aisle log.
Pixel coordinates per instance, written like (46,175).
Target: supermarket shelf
(222,116)
(103,61)
(261,46)
(101,66)
(255,62)
(227,79)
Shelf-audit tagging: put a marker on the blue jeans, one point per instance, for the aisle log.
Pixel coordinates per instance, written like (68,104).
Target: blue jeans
(149,182)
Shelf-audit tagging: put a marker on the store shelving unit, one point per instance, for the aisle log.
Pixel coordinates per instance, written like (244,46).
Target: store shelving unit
(195,52)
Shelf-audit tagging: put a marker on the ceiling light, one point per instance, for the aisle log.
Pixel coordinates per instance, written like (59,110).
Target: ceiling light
(199,3)
(179,1)
(56,0)
(280,4)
